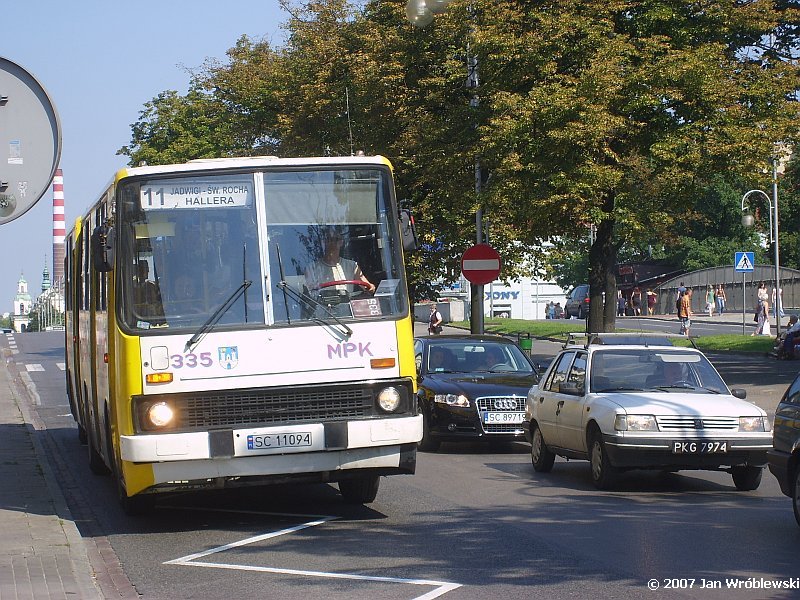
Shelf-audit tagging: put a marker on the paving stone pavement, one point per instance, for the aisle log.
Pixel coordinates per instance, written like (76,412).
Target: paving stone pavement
(42,554)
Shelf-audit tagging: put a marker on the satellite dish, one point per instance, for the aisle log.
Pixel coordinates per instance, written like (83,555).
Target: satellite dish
(30,141)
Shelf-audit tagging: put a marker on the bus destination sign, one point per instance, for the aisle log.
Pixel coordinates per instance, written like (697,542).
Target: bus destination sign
(195,193)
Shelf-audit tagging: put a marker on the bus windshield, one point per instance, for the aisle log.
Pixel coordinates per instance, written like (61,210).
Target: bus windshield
(298,246)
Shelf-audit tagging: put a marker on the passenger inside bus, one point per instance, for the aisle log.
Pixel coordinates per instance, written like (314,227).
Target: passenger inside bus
(184,299)
(147,297)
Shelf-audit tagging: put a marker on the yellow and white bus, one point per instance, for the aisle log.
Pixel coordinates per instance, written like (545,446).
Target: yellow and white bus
(214,339)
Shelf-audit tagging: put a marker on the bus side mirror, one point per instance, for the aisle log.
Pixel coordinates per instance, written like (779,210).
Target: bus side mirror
(102,243)
(408,230)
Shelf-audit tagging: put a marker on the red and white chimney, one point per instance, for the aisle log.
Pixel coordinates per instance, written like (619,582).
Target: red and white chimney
(59,231)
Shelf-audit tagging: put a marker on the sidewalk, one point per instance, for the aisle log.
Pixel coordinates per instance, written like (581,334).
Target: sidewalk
(42,554)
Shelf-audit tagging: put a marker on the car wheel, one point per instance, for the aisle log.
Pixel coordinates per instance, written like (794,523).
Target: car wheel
(427,443)
(603,472)
(542,458)
(796,496)
(361,490)
(747,479)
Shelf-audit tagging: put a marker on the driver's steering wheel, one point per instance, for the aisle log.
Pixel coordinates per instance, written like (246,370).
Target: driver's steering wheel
(329,294)
(360,282)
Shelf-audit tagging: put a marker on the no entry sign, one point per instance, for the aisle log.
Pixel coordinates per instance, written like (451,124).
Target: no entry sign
(480,264)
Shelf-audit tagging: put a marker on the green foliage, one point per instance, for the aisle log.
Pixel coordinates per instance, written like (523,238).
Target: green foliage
(640,119)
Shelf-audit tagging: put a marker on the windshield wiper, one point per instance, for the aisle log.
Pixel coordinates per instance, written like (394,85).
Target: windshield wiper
(216,316)
(619,389)
(303,299)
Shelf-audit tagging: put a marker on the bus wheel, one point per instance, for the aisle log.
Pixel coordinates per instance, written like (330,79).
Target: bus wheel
(360,490)
(132,506)
(82,437)
(96,463)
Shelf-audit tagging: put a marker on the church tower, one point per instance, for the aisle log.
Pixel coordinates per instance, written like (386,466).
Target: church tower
(22,305)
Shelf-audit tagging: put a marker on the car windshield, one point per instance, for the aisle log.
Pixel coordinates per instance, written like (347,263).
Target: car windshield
(653,369)
(456,356)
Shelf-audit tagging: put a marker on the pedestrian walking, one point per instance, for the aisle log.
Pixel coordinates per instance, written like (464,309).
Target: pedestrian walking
(685,311)
(620,304)
(434,321)
(710,301)
(636,301)
(777,302)
(721,298)
(761,293)
(652,298)
(762,319)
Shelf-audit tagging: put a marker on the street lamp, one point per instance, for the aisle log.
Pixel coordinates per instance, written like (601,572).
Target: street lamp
(748,220)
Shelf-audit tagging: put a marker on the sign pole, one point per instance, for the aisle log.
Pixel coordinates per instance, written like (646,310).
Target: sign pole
(744,277)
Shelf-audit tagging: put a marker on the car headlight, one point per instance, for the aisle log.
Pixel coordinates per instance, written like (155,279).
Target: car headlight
(452,399)
(389,399)
(635,423)
(753,424)
(160,414)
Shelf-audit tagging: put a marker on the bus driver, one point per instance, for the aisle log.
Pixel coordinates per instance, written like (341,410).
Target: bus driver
(332,267)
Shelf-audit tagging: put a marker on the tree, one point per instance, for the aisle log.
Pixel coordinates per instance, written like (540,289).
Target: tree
(615,115)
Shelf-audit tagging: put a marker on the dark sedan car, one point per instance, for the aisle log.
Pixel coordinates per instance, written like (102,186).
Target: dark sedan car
(784,458)
(471,387)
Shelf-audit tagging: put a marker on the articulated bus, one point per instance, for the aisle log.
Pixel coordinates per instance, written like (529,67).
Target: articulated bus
(214,339)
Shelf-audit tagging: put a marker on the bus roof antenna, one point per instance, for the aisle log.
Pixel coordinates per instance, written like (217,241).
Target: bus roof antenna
(349,127)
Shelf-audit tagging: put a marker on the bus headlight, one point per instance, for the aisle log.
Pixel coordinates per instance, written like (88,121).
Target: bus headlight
(160,414)
(389,399)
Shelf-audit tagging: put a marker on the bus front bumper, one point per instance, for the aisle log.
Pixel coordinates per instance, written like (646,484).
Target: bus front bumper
(277,450)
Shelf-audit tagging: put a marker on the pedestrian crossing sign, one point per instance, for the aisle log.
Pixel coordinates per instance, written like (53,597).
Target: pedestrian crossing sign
(743,262)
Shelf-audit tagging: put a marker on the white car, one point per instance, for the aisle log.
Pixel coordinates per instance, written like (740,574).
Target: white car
(643,405)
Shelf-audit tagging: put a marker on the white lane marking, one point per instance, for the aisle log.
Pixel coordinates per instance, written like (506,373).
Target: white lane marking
(441,587)
(34,367)
(61,366)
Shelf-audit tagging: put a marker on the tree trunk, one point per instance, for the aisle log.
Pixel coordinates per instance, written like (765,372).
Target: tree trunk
(602,280)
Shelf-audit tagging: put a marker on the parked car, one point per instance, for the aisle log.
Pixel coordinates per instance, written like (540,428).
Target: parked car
(644,406)
(471,387)
(577,304)
(784,458)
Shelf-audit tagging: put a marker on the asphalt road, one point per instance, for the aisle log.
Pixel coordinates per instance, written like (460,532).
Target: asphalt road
(474,522)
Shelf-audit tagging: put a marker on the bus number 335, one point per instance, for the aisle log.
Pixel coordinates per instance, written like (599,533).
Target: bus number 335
(191,360)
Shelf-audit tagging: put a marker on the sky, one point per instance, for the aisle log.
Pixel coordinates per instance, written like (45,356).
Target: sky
(100,62)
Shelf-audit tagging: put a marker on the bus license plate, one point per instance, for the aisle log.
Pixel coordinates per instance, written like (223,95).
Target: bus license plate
(699,447)
(503,417)
(278,441)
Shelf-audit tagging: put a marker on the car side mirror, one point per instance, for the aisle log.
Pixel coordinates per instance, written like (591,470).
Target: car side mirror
(740,393)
